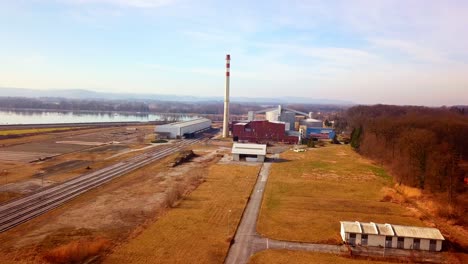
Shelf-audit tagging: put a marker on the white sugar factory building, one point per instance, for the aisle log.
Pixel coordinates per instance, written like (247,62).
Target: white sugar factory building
(183,129)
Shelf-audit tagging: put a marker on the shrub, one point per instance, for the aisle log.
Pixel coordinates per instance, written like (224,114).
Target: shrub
(77,251)
(159,141)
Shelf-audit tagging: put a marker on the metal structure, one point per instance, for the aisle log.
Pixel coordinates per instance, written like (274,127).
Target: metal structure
(311,122)
(226,98)
(184,128)
(320,133)
(283,114)
(26,208)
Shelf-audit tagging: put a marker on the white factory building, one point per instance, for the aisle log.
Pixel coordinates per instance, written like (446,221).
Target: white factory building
(391,236)
(287,116)
(256,152)
(183,128)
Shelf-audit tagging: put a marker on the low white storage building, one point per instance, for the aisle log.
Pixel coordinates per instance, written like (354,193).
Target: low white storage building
(183,128)
(241,150)
(391,236)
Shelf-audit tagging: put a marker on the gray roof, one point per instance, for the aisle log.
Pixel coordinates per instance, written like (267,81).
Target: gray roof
(369,228)
(351,227)
(249,149)
(186,123)
(385,229)
(418,232)
(392,230)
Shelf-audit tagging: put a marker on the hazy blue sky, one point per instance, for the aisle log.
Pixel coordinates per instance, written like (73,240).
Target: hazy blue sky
(376,51)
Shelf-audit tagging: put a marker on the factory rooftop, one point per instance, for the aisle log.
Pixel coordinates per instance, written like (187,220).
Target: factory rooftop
(249,149)
(187,123)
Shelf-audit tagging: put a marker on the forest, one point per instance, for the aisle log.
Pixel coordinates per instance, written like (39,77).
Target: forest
(424,147)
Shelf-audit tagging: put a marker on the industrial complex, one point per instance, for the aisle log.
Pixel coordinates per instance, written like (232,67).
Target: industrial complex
(280,125)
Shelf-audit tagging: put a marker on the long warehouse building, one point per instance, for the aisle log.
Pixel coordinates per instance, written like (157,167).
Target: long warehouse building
(183,128)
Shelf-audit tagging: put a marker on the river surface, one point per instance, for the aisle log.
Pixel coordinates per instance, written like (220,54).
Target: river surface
(17,117)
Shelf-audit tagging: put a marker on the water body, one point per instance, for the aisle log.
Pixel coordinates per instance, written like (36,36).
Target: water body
(17,117)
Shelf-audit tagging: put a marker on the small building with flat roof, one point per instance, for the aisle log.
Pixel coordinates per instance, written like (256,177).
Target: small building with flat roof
(252,151)
(181,129)
(391,236)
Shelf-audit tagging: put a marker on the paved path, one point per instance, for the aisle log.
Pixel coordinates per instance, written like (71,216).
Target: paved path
(247,242)
(246,234)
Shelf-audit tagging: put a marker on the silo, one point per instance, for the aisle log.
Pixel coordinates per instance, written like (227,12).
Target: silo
(288,117)
(272,116)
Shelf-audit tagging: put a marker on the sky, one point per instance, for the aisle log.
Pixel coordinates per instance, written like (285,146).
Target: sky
(393,52)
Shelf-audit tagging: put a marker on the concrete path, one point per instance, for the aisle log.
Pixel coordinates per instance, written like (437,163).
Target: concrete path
(248,242)
(246,234)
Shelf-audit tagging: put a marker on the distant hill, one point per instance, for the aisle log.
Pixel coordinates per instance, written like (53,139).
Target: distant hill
(87,94)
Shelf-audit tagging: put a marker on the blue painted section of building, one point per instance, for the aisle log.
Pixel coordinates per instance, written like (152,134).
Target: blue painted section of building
(321,130)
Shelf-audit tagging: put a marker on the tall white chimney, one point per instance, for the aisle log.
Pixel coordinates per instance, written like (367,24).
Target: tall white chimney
(226,99)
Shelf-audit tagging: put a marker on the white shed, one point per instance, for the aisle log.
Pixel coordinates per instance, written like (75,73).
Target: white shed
(249,151)
(183,128)
(391,236)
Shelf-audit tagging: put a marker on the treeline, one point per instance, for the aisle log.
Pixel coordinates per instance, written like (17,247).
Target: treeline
(207,108)
(72,104)
(145,106)
(425,147)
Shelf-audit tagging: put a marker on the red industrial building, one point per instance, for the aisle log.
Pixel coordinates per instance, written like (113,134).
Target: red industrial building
(262,132)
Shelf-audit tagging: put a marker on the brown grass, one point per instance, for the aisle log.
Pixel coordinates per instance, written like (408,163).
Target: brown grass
(303,257)
(77,251)
(134,199)
(196,230)
(35,130)
(19,172)
(307,195)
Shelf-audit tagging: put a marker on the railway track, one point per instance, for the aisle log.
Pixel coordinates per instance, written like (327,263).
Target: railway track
(23,209)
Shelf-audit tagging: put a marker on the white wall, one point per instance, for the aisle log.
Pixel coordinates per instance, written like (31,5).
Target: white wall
(379,240)
(180,131)
(376,240)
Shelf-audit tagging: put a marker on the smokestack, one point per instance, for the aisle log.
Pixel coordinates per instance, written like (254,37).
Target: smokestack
(226,99)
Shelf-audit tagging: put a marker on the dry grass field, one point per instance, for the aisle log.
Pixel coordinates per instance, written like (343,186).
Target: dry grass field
(33,131)
(96,221)
(19,177)
(310,192)
(303,257)
(196,230)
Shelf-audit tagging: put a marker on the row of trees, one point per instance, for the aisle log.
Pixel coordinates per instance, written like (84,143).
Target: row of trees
(72,104)
(425,147)
(144,106)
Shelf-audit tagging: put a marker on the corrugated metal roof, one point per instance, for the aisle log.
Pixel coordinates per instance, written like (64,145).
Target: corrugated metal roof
(186,123)
(249,149)
(385,229)
(369,228)
(351,227)
(418,232)
(392,230)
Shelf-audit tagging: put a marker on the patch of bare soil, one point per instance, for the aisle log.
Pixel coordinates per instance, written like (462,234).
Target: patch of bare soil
(330,175)
(114,212)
